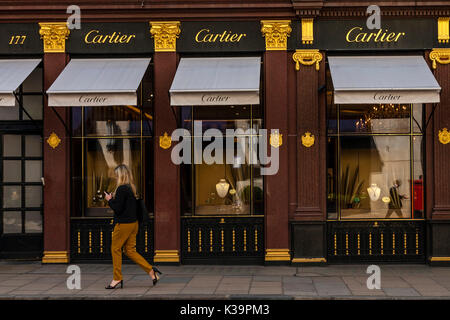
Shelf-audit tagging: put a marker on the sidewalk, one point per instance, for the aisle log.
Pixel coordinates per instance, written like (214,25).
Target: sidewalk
(32,280)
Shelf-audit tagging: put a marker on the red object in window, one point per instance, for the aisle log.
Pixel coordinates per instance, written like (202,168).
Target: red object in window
(418,195)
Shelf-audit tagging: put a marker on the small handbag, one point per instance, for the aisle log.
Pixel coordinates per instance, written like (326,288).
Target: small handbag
(142,212)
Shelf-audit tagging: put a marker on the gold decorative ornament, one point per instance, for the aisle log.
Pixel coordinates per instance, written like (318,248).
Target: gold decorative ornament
(276,33)
(166,256)
(54,35)
(443,29)
(276,139)
(308,139)
(55,257)
(307,30)
(386,199)
(53,140)
(307,57)
(165,34)
(444,136)
(441,55)
(165,141)
(277,255)
(309,260)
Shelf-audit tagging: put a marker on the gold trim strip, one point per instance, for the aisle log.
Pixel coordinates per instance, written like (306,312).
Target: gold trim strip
(55,257)
(277,255)
(166,256)
(308,260)
(440,259)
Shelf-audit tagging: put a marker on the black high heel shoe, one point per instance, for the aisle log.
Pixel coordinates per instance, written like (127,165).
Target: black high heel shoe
(156,271)
(111,287)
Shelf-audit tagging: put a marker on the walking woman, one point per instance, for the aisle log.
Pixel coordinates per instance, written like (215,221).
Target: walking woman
(124,204)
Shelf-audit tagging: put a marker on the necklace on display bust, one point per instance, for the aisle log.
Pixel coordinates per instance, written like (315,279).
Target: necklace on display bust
(374,192)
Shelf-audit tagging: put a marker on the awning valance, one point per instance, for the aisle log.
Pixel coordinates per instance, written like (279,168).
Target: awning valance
(12,73)
(98,82)
(216,81)
(382,79)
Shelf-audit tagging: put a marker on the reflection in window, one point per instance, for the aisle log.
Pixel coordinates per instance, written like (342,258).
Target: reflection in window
(221,188)
(102,157)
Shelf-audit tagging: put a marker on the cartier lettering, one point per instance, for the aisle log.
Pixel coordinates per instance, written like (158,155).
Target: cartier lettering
(205,35)
(386,97)
(95,37)
(356,35)
(96,99)
(215,98)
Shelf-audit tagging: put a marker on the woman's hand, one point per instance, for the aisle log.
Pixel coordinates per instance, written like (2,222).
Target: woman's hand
(108,196)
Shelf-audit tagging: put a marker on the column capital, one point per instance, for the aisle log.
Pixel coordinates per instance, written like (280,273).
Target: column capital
(165,34)
(54,35)
(441,55)
(307,57)
(276,33)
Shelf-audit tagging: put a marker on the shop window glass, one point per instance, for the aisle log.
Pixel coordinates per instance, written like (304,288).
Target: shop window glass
(33,222)
(418,117)
(33,84)
(10,113)
(33,105)
(375,177)
(112,121)
(12,171)
(223,188)
(12,222)
(385,118)
(33,170)
(418,186)
(12,145)
(102,157)
(12,197)
(33,146)
(33,196)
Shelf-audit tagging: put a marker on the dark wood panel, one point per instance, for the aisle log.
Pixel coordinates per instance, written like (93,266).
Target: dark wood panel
(56,164)
(311,161)
(441,152)
(276,117)
(167,182)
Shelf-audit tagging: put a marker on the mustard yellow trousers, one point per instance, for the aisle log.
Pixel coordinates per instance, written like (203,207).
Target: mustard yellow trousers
(124,237)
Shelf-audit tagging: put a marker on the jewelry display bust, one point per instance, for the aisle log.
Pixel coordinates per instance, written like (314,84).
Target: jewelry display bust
(374,192)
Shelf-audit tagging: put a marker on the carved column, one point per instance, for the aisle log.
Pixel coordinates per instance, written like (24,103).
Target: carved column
(56,151)
(309,216)
(438,171)
(167,176)
(276,33)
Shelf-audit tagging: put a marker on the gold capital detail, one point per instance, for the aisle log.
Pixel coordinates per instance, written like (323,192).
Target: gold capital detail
(166,256)
(165,141)
(55,257)
(54,35)
(441,55)
(443,30)
(444,136)
(276,33)
(307,30)
(308,139)
(307,57)
(165,34)
(277,255)
(53,140)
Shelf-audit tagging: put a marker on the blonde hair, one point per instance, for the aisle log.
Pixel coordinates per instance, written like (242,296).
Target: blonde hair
(124,176)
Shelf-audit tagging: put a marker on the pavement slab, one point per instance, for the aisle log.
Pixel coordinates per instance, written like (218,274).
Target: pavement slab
(38,281)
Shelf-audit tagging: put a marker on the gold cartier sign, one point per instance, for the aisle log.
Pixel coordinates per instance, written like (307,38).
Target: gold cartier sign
(205,35)
(95,37)
(355,34)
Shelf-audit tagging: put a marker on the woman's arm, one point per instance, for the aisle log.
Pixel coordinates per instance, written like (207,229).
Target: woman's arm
(118,202)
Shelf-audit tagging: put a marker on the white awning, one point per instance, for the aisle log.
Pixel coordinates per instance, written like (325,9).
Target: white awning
(216,81)
(12,73)
(98,82)
(382,79)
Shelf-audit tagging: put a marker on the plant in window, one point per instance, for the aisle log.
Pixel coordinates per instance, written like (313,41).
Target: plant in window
(351,195)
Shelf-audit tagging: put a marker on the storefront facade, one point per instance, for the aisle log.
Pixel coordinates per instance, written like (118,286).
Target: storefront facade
(359,119)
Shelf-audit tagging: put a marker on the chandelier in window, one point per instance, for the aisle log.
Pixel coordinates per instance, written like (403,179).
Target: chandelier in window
(383,111)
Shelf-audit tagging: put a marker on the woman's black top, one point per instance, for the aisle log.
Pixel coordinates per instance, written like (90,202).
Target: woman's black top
(124,205)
